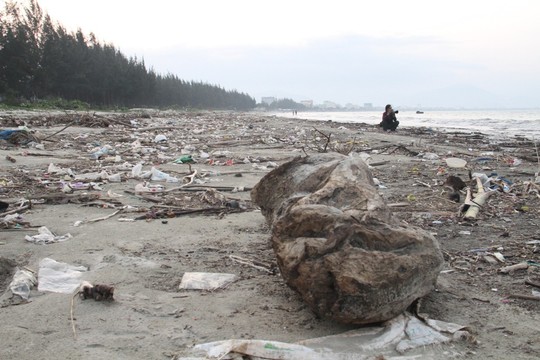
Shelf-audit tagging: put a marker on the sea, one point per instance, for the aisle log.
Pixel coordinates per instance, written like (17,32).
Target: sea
(494,123)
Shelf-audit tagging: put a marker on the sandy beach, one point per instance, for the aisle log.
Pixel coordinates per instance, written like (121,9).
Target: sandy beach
(142,243)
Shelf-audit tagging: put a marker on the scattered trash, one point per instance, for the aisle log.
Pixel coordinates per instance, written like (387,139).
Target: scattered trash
(455,162)
(499,256)
(45,236)
(515,162)
(11,159)
(148,188)
(100,152)
(483,178)
(430,156)
(130,155)
(185,159)
(400,334)
(158,175)
(20,136)
(59,277)
(205,281)
(23,281)
(160,138)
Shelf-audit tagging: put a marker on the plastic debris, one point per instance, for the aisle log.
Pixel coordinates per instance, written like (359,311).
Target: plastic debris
(23,281)
(455,162)
(59,277)
(205,281)
(430,156)
(148,188)
(158,175)
(45,236)
(160,138)
(100,152)
(401,334)
(185,159)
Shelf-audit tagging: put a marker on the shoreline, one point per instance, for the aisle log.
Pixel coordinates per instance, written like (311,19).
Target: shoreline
(498,125)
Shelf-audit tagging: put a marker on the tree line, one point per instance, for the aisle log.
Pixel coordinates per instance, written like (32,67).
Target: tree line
(40,59)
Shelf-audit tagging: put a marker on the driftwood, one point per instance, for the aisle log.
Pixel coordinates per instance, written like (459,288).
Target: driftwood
(253,263)
(327,137)
(19,209)
(532,283)
(511,268)
(59,131)
(524,297)
(113,120)
(169,213)
(190,179)
(105,217)
(152,128)
(398,147)
(62,198)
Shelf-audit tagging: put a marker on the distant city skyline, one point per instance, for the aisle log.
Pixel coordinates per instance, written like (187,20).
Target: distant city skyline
(463,54)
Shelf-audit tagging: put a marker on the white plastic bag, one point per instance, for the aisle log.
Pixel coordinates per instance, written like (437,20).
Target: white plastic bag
(59,277)
(158,175)
(23,281)
(45,236)
(205,281)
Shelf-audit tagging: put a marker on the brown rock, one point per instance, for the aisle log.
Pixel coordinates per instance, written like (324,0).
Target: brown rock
(337,243)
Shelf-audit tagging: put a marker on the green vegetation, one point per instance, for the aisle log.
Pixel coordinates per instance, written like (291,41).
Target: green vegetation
(281,104)
(41,60)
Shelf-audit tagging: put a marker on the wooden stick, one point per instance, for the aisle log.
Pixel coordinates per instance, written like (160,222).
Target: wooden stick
(166,214)
(529,282)
(72,317)
(105,217)
(402,204)
(525,297)
(189,177)
(508,269)
(59,131)
(327,136)
(251,263)
(16,210)
(151,128)
(422,183)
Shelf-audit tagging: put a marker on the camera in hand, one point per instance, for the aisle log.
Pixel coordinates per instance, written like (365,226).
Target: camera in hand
(395,112)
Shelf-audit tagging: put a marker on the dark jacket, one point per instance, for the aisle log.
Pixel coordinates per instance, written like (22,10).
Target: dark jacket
(389,121)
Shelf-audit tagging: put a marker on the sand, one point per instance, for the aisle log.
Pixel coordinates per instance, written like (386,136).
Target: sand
(151,318)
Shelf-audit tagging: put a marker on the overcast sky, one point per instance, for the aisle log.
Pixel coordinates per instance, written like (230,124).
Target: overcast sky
(417,52)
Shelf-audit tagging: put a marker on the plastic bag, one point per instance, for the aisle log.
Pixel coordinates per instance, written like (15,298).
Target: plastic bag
(45,236)
(23,281)
(158,175)
(59,277)
(205,281)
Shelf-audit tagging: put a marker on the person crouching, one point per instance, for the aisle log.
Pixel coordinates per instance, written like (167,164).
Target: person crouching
(389,121)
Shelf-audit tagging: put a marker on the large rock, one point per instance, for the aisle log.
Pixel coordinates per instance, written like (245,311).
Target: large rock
(338,244)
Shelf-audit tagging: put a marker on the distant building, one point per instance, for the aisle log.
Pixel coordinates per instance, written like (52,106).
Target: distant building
(330,105)
(307,103)
(368,106)
(351,106)
(268,100)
